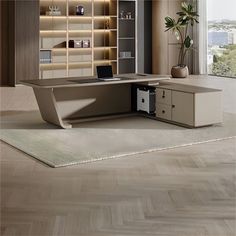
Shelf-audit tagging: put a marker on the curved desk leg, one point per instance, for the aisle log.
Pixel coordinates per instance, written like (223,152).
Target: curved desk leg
(48,107)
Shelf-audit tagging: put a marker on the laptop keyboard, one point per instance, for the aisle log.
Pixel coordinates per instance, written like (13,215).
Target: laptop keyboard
(109,79)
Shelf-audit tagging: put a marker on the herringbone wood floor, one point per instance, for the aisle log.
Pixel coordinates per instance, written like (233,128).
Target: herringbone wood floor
(185,191)
(188,191)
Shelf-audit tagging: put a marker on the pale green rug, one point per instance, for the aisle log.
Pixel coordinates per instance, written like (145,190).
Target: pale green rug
(93,141)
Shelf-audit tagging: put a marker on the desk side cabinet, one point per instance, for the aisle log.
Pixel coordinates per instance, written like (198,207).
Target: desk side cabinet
(188,105)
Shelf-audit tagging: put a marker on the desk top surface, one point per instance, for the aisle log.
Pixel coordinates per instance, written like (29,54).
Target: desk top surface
(186,88)
(85,81)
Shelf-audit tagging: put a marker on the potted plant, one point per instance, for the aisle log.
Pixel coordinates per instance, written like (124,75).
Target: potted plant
(187,17)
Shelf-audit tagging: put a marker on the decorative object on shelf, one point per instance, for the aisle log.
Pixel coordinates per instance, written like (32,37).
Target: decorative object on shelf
(45,56)
(179,71)
(79,10)
(53,11)
(128,15)
(86,43)
(79,43)
(107,25)
(187,17)
(125,54)
(122,15)
(75,43)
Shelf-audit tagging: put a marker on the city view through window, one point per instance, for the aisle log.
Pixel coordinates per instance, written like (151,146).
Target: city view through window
(222,37)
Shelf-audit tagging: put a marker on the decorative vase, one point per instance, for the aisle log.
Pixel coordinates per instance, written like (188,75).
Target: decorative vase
(79,10)
(179,71)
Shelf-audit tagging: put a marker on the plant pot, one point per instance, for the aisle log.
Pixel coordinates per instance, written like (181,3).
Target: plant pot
(179,72)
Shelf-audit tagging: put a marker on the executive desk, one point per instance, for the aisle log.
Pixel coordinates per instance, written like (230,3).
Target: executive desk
(68,100)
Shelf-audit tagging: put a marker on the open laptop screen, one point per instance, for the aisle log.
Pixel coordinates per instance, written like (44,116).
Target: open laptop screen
(104,71)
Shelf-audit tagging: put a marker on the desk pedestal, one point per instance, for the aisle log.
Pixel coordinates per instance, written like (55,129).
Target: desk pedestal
(62,106)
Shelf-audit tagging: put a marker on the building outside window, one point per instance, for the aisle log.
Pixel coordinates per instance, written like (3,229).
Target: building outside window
(221,37)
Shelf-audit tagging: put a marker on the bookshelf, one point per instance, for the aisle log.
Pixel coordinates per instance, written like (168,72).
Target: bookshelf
(100,28)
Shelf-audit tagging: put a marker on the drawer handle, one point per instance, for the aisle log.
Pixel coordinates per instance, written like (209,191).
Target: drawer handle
(173,106)
(163,112)
(163,94)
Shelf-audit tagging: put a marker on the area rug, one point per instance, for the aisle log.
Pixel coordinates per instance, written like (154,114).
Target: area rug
(93,141)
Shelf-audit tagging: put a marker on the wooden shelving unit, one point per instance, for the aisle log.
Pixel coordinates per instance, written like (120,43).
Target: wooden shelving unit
(99,25)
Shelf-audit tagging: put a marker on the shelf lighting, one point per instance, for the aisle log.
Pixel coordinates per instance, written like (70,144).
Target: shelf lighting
(52,32)
(80,18)
(101,0)
(52,17)
(102,17)
(102,49)
(104,30)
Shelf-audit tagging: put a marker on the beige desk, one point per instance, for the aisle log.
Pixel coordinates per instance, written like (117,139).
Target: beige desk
(68,100)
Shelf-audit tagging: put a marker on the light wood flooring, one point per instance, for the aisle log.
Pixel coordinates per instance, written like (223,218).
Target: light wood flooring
(188,191)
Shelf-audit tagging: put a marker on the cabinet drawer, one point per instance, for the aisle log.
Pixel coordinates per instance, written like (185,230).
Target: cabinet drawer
(163,96)
(163,111)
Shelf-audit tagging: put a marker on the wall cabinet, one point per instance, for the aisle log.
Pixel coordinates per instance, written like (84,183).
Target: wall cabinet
(188,105)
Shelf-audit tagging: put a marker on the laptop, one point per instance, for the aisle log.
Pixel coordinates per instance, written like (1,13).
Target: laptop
(105,73)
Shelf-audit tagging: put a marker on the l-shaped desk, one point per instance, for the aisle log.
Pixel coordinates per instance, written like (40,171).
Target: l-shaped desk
(66,101)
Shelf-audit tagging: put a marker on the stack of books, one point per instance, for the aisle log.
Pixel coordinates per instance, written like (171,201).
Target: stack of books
(45,56)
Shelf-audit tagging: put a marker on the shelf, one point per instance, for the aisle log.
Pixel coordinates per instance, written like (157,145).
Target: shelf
(55,1)
(103,30)
(79,49)
(59,33)
(104,61)
(104,48)
(90,1)
(85,64)
(126,58)
(80,18)
(80,63)
(52,31)
(127,38)
(56,52)
(65,49)
(101,1)
(124,19)
(107,17)
(54,49)
(45,17)
(80,31)
(51,66)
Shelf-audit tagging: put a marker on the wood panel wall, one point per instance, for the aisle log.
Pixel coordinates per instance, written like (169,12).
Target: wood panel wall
(164,44)
(19,41)
(4,56)
(1,43)
(26,39)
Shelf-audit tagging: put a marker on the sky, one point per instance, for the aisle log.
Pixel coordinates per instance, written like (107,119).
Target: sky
(221,9)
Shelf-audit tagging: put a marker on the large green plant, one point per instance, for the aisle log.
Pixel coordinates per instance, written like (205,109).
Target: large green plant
(180,28)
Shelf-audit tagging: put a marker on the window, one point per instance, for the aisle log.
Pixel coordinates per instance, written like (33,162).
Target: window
(221,37)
